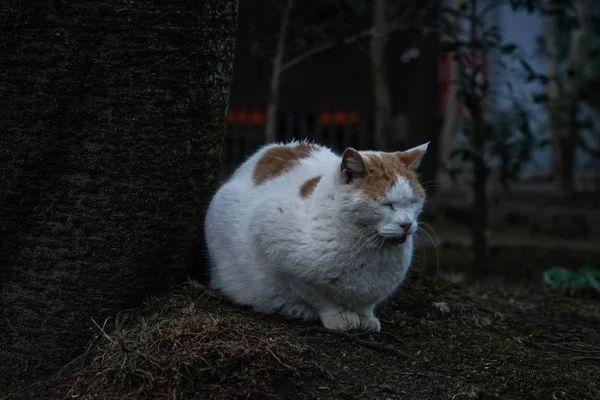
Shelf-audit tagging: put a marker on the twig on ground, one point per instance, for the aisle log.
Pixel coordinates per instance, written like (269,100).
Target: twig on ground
(365,343)
(532,344)
(389,335)
(575,359)
(102,329)
(576,350)
(279,360)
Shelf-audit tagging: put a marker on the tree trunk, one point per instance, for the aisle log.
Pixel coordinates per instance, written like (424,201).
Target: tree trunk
(551,53)
(452,109)
(271,117)
(564,130)
(113,116)
(480,207)
(381,91)
(570,130)
(423,91)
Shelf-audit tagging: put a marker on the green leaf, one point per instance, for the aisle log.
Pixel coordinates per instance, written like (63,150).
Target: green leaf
(508,48)
(557,277)
(464,154)
(594,279)
(585,277)
(528,5)
(579,280)
(540,98)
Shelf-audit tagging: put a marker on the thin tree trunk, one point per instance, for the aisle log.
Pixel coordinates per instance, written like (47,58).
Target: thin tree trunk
(381,91)
(110,146)
(569,132)
(271,117)
(423,91)
(480,207)
(453,106)
(551,52)
(564,130)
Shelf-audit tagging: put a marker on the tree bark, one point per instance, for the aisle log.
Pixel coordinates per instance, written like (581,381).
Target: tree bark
(423,91)
(570,131)
(381,91)
(272,107)
(564,108)
(480,206)
(113,116)
(551,53)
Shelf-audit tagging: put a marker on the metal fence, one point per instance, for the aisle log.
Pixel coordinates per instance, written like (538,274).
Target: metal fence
(242,140)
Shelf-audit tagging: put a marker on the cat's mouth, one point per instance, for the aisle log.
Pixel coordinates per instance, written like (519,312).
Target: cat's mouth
(396,240)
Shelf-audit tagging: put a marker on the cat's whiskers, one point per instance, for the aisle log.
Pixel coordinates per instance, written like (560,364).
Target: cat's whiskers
(367,231)
(367,228)
(367,242)
(424,240)
(372,231)
(425,232)
(430,184)
(426,236)
(431,232)
(382,242)
(378,244)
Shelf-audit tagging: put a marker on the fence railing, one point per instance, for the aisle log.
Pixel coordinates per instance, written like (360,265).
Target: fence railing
(242,140)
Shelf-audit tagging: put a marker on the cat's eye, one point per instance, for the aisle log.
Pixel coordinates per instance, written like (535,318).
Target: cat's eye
(390,205)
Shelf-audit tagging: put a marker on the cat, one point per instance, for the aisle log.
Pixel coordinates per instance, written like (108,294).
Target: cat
(300,231)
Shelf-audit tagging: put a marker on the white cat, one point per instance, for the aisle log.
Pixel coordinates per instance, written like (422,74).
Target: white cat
(304,232)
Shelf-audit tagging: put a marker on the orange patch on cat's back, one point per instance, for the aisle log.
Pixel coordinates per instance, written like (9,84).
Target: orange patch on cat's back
(384,169)
(309,186)
(278,160)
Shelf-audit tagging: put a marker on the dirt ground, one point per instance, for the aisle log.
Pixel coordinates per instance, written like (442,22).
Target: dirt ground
(440,340)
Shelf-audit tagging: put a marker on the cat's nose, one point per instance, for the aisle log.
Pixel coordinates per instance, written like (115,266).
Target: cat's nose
(406,225)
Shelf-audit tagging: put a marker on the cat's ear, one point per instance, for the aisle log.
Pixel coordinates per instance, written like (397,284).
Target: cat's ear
(412,157)
(353,166)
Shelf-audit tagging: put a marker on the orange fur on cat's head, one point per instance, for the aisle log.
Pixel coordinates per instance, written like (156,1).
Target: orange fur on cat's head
(379,171)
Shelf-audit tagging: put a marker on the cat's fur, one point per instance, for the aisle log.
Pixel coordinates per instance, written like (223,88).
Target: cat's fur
(302,231)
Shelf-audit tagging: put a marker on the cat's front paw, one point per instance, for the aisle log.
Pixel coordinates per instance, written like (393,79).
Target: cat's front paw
(340,320)
(369,323)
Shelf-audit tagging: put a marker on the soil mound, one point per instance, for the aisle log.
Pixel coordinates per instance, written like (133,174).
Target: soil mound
(439,341)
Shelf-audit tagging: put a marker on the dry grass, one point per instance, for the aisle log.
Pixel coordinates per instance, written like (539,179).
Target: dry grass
(184,348)
(439,341)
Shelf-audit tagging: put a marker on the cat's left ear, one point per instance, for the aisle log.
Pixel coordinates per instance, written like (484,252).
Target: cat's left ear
(412,157)
(352,166)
